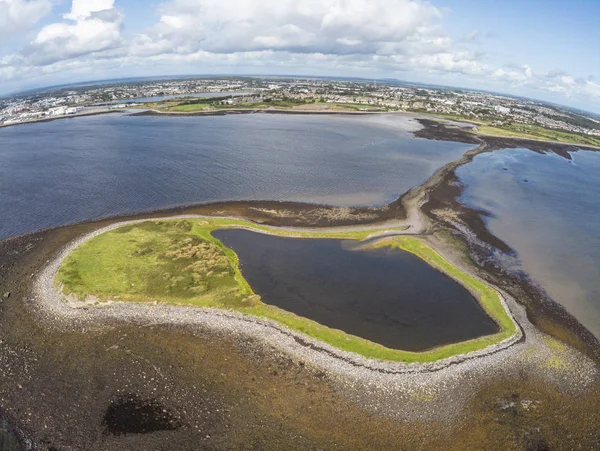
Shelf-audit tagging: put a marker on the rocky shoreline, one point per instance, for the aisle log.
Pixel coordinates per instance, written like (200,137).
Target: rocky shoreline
(444,209)
(525,351)
(229,381)
(55,306)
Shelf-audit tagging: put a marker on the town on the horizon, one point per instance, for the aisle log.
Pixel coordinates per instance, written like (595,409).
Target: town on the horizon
(490,111)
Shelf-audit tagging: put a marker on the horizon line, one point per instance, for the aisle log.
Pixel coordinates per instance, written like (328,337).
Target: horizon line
(286,76)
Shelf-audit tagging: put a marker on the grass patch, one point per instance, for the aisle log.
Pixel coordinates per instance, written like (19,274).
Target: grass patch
(526,131)
(540,133)
(180,262)
(192,106)
(189,108)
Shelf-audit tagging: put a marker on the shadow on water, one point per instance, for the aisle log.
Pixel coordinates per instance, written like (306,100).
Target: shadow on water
(387,296)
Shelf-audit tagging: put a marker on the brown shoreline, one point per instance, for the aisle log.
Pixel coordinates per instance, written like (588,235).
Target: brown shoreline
(441,192)
(32,344)
(546,314)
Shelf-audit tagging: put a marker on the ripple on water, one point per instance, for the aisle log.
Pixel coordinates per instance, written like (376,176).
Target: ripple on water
(74,170)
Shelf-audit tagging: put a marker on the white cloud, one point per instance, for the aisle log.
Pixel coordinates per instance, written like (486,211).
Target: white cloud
(567,80)
(81,9)
(561,82)
(19,15)
(96,28)
(358,37)
(520,75)
(462,62)
(591,88)
(397,35)
(309,26)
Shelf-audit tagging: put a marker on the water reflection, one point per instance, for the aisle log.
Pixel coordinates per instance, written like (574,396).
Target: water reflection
(547,209)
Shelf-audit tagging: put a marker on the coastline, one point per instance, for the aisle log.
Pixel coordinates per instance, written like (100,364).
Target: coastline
(58,118)
(444,209)
(437,397)
(228,111)
(430,392)
(429,118)
(417,210)
(432,130)
(49,297)
(338,364)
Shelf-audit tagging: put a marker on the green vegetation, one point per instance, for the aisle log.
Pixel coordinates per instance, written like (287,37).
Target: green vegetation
(455,117)
(540,133)
(526,131)
(189,108)
(216,104)
(180,262)
(154,260)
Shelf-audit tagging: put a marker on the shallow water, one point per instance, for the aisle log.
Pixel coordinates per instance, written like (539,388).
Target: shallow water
(387,296)
(60,172)
(547,209)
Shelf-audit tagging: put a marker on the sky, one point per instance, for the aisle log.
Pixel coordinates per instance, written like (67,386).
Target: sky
(543,49)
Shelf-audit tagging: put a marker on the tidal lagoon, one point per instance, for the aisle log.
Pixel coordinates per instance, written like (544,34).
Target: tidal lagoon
(387,296)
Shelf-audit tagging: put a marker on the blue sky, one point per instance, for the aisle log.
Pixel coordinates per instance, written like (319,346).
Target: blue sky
(548,50)
(546,34)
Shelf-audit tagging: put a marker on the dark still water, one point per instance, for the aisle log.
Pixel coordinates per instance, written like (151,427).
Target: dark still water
(72,170)
(388,296)
(552,220)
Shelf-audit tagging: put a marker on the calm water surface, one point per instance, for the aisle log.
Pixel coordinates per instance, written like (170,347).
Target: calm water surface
(178,96)
(552,220)
(72,170)
(388,296)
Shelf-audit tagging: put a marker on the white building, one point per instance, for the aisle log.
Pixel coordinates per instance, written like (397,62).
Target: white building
(58,111)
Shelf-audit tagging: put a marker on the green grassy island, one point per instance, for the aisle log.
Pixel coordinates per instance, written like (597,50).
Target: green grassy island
(179,262)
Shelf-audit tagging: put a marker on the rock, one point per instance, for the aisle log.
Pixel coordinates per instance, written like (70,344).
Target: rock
(6,295)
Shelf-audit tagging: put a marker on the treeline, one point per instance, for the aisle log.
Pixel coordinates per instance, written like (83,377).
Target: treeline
(204,100)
